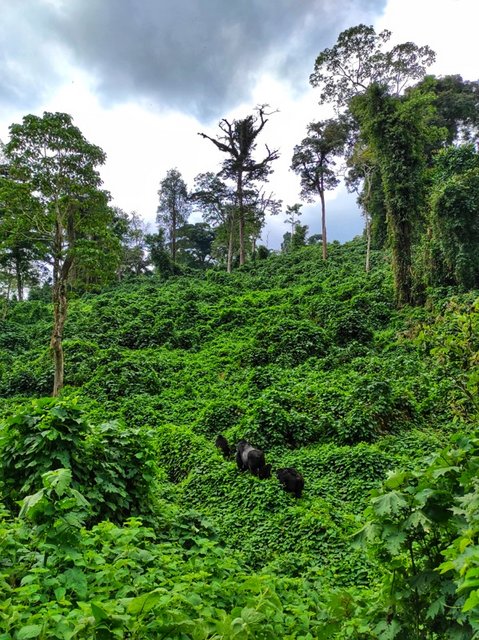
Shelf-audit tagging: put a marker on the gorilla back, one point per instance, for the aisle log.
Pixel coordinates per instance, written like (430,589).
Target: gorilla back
(249,457)
(292,480)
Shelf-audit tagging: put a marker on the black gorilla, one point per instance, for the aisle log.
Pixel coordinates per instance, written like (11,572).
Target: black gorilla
(222,444)
(292,480)
(249,457)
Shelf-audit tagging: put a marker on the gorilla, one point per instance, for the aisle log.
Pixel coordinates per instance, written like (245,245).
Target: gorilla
(249,457)
(222,444)
(292,480)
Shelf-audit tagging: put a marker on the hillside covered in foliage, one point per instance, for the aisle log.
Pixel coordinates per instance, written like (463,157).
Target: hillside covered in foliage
(121,518)
(350,369)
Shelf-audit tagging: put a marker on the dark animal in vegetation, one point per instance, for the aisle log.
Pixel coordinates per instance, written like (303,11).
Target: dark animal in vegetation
(264,472)
(249,457)
(292,480)
(222,444)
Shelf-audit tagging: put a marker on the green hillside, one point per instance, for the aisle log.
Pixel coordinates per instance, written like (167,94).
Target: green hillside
(137,527)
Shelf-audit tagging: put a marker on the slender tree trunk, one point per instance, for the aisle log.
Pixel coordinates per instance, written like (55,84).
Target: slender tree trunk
(59,318)
(368,242)
(60,279)
(229,264)
(18,274)
(7,300)
(242,251)
(173,236)
(323,225)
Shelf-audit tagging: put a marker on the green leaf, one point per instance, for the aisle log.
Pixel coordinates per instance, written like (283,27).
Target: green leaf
(31,631)
(389,503)
(436,607)
(395,479)
(30,501)
(99,612)
(60,480)
(145,602)
(472,601)
(387,630)
(442,471)
(416,519)
(251,616)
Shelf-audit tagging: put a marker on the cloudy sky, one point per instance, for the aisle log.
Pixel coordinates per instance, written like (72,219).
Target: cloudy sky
(142,77)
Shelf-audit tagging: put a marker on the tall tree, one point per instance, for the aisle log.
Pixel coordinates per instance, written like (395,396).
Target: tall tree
(238,140)
(60,165)
(314,160)
(174,206)
(131,231)
(293,211)
(216,202)
(359,59)
(362,167)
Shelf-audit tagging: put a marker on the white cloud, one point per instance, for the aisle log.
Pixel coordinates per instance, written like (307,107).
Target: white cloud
(449,27)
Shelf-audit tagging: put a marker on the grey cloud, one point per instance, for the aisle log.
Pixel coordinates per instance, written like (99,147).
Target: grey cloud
(197,56)
(27,71)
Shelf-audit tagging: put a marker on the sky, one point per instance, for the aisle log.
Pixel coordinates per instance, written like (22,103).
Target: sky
(141,78)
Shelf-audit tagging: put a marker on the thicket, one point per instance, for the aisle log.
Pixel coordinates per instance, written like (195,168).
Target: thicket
(121,519)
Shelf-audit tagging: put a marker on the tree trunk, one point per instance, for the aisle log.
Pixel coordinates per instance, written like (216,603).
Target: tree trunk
(402,260)
(59,318)
(242,251)
(229,264)
(18,274)
(368,240)
(7,299)
(323,225)
(173,236)
(59,296)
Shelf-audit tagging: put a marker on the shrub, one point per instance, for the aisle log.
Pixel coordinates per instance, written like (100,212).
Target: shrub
(178,450)
(112,465)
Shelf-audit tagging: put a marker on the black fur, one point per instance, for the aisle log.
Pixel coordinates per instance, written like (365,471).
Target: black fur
(292,480)
(249,457)
(264,472)
(222,443)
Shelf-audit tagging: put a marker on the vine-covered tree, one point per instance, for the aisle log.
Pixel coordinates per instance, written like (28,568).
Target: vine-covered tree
(457,106)
(362,169)
(454,218)
(159,256)
(398,131)
(53,157)
(314,161)
(238,140)
(174,206)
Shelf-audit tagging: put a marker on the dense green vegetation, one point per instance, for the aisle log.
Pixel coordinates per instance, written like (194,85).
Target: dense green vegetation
(121,519)
(355,364)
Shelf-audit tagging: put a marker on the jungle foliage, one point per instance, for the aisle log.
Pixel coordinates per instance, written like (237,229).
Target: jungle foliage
(121,519)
